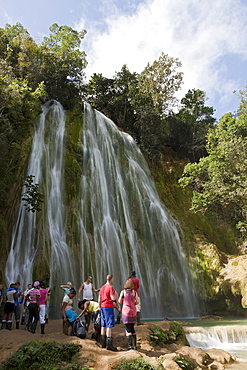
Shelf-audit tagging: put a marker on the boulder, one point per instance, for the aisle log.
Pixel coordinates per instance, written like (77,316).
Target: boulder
(170,365)
(196,356)
(220,355)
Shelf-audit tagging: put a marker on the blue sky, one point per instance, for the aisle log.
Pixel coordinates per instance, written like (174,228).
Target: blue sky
(208,37)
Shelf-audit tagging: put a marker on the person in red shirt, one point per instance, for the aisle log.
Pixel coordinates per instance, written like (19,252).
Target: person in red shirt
(107,297)
(136,283)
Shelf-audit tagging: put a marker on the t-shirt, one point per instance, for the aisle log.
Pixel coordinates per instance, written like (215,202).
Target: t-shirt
(105,295)
(43,293)
(66,291)
(69,302)
(93,307)
(10,295)
(136,283)
(33,293)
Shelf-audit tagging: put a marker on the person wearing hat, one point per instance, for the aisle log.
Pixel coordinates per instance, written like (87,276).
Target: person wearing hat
(136,283)
(34,297)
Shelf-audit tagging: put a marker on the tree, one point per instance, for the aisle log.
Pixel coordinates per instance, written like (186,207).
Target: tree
(219,181)
(242,96)
(57,62)
(187,130)
(159,82)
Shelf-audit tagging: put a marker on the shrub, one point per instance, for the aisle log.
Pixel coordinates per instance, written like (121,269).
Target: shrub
(137,364)
(42,355)
(159,336)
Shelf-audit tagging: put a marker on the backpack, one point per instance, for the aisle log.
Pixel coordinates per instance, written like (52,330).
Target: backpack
(97,322)
(79,329)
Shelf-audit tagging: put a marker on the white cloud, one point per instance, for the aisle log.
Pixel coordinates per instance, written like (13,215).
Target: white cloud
(199,33)
(7,17)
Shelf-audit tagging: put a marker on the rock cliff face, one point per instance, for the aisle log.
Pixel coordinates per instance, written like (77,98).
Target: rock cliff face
(234,282)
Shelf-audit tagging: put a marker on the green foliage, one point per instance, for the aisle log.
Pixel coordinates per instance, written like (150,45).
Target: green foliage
(176,331)
(184,364)
(187,130)
(63,64)
(139,364)
(31,196)
(159,337)
(44,355)
(159,81)
(219,181)
(57,62)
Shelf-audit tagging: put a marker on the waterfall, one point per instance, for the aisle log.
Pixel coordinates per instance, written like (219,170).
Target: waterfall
(121,224)
(124,226)
(46,164)
(231,338)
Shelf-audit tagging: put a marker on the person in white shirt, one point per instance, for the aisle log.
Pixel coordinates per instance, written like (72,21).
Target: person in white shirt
(88,288)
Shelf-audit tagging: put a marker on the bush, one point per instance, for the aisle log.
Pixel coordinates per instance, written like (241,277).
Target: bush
(159,336)
(138,364)
(42,355)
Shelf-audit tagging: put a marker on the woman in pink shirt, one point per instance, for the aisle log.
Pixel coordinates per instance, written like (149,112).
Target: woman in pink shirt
(129,299)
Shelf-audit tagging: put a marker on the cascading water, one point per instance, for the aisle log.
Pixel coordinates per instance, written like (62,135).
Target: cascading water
(46,164)
(124,226)
(121,223)
(231,338)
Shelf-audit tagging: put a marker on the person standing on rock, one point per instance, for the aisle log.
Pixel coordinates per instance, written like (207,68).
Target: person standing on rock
(136,283)
(129,299)
(107,296)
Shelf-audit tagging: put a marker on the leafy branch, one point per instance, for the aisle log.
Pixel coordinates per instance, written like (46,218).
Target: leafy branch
(32,197)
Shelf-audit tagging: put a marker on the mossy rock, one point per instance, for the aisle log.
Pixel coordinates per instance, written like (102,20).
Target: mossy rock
(160,337)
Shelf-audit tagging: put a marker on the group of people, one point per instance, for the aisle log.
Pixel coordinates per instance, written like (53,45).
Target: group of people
(128,303)
(35,306)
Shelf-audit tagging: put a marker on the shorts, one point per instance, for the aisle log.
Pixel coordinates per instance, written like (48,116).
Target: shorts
(9,307)
(107,317)
(71,315)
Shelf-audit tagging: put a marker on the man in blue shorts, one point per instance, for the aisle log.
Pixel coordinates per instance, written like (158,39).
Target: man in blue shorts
(107,296)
